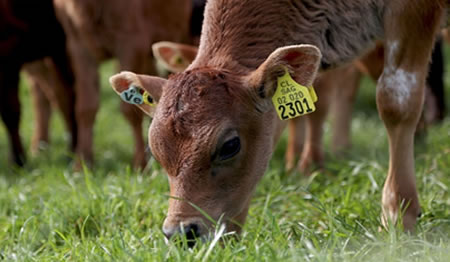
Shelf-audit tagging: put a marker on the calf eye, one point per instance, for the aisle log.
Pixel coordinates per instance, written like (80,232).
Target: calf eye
(230,148)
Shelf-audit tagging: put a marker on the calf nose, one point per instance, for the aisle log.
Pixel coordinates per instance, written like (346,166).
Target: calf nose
(191,231)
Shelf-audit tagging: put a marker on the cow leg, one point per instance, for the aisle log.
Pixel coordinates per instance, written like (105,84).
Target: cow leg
(296,139)
(137,60)
(346,87)
(64,91)
(135,118)
(313,148)
(10,112)
(87,100)
(42,109)
(51,85)
(348,79)
(400,96)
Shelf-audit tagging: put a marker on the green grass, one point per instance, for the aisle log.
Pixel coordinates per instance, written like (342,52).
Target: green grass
(50,213)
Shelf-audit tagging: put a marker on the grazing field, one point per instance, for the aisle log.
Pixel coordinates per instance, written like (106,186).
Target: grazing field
(112,213)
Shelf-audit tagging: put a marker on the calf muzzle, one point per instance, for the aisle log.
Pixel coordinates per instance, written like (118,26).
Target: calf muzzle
(190,231)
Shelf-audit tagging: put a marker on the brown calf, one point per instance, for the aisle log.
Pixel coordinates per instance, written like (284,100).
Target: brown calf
(338,88)
(98,30)
(215,127)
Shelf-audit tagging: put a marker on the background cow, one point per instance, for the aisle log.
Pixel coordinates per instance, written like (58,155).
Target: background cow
(99,30)
(30,32)
(96,33)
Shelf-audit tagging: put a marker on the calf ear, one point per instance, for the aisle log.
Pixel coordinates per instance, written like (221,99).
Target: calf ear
(152,85)
(174,57)
(301,61)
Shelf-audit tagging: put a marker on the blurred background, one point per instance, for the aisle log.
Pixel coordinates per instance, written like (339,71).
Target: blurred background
(52,208)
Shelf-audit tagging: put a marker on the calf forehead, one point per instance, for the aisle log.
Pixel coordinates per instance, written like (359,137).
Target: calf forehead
(197,99)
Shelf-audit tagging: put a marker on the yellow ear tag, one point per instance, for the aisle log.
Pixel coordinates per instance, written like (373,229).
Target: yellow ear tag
(148,100)
(176,60)
(292,99)
(313,94)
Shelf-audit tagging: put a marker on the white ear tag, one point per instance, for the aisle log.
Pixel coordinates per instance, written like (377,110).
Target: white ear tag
(132,96)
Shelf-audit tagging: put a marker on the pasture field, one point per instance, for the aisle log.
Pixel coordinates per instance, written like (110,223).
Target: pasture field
(112,213)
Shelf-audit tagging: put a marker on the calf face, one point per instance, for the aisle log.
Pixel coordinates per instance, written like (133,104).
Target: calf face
(213,134)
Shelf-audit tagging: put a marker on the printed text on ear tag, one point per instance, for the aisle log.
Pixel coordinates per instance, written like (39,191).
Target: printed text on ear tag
(132,96)
(292,99)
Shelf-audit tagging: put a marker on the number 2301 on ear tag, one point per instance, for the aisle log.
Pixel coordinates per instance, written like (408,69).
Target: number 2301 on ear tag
(292,99)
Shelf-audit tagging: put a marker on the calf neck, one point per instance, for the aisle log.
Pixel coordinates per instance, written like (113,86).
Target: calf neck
(215,127)
(242,34)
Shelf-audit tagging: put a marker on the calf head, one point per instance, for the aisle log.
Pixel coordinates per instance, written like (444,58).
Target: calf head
(213,132)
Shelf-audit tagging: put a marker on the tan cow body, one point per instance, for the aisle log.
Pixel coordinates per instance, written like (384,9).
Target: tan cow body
(98,30)
(215,127)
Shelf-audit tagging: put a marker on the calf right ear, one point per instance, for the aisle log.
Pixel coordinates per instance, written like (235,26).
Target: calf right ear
(149,87)
(301,61)
(173,56)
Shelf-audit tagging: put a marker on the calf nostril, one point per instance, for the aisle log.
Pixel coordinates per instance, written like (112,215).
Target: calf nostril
(191,232)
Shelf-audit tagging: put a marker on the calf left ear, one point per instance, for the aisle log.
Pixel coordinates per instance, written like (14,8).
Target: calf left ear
(301,61)
(142,90)
(174,57)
